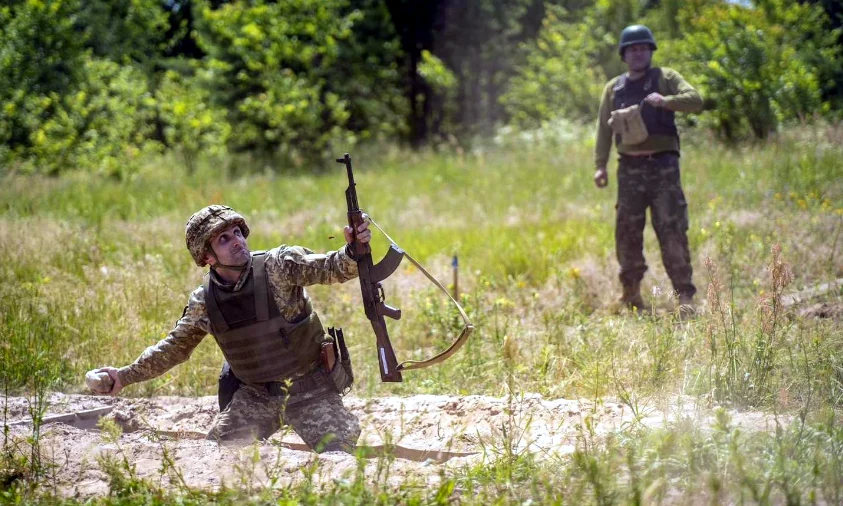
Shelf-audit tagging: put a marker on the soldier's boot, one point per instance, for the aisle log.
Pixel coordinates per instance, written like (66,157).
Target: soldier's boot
(632,299)
(686,306)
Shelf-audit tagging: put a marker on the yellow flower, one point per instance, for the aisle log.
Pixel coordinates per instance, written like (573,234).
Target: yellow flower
(503,302)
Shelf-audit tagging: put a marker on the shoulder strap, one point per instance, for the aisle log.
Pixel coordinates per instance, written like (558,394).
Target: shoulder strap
(214,313)
(620,83)
(468,327)
(259,272)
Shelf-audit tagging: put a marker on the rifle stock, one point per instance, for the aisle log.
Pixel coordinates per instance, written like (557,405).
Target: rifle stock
(370,276)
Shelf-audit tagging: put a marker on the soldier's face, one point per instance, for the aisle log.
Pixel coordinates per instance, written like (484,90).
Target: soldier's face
(638,57)
(230,247)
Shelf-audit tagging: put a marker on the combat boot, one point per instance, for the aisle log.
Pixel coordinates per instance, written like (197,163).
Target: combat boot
(632,299)
(686,307)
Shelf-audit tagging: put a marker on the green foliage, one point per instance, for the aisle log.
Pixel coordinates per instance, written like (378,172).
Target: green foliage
(435,72)
(560,76)
(104,127)
(269,65)
(40,55)
(368,74)
(194,126)
(125,32)
(568,64)
(63,109)
(757,66)
(94,86)
(478,42)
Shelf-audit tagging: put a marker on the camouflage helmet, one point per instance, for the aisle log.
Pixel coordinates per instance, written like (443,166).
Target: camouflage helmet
(636,34)
(205,224)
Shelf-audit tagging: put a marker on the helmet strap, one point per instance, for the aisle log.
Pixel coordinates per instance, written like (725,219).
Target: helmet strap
(239,268)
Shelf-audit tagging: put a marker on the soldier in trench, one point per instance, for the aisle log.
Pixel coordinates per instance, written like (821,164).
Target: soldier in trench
(281,368)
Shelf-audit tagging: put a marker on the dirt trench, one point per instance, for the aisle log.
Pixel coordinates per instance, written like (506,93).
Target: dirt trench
(427,434)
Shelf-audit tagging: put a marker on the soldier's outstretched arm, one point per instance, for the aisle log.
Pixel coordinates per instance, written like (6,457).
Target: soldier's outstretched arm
(299,266)
(170,351)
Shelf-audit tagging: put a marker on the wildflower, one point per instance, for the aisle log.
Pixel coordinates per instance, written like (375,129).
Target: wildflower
(503,302)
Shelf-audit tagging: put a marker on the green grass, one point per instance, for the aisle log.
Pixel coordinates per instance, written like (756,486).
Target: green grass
(96,270)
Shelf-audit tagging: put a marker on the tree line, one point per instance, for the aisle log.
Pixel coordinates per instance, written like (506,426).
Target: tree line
(96,85)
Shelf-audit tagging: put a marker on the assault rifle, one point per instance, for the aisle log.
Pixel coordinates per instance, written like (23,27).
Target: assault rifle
(370,277)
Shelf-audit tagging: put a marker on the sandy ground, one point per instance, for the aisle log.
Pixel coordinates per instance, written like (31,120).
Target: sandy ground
(430,434)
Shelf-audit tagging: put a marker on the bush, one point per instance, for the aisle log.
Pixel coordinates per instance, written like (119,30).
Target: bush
(192,124)
(568,64)
(61,108)
(560,77)
(268,65)
(104,127)
(756,66)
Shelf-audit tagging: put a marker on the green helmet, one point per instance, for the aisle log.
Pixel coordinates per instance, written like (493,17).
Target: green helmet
(636,34)
(205,224)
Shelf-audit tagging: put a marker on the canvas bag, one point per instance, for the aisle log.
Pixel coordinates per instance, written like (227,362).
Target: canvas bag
(629,124)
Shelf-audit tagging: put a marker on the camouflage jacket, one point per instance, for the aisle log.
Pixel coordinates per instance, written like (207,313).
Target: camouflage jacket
(289,270)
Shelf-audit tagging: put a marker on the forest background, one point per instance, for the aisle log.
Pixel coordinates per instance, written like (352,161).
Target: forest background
(97,86)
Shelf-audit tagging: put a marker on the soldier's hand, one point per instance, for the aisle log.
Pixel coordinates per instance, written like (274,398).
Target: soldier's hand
(364,235)
(112,372)
(655,99)
(601,177)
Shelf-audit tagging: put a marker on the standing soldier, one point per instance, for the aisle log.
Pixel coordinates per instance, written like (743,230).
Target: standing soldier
(648,165)
(282,365)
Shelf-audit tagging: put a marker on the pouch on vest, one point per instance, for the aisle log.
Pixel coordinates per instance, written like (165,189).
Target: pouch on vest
(341,375)
(304,339)
(629,124)
(228,384)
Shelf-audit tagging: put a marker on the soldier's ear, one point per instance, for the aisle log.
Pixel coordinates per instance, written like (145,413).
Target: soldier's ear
(209,257)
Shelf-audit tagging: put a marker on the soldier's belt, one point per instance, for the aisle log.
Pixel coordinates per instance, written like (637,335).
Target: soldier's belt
(306,383)
(632,157)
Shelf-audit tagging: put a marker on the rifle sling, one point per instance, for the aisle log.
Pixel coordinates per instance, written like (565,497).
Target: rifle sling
(466,331)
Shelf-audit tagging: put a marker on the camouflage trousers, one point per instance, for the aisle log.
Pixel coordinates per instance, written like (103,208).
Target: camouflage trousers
(652,182)
(318,417)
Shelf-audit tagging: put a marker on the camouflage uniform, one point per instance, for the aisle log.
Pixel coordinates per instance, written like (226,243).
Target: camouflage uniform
(654,182)
(317,414)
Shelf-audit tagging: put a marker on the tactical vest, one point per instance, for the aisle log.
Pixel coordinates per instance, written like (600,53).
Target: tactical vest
(258,343)
(659,120)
